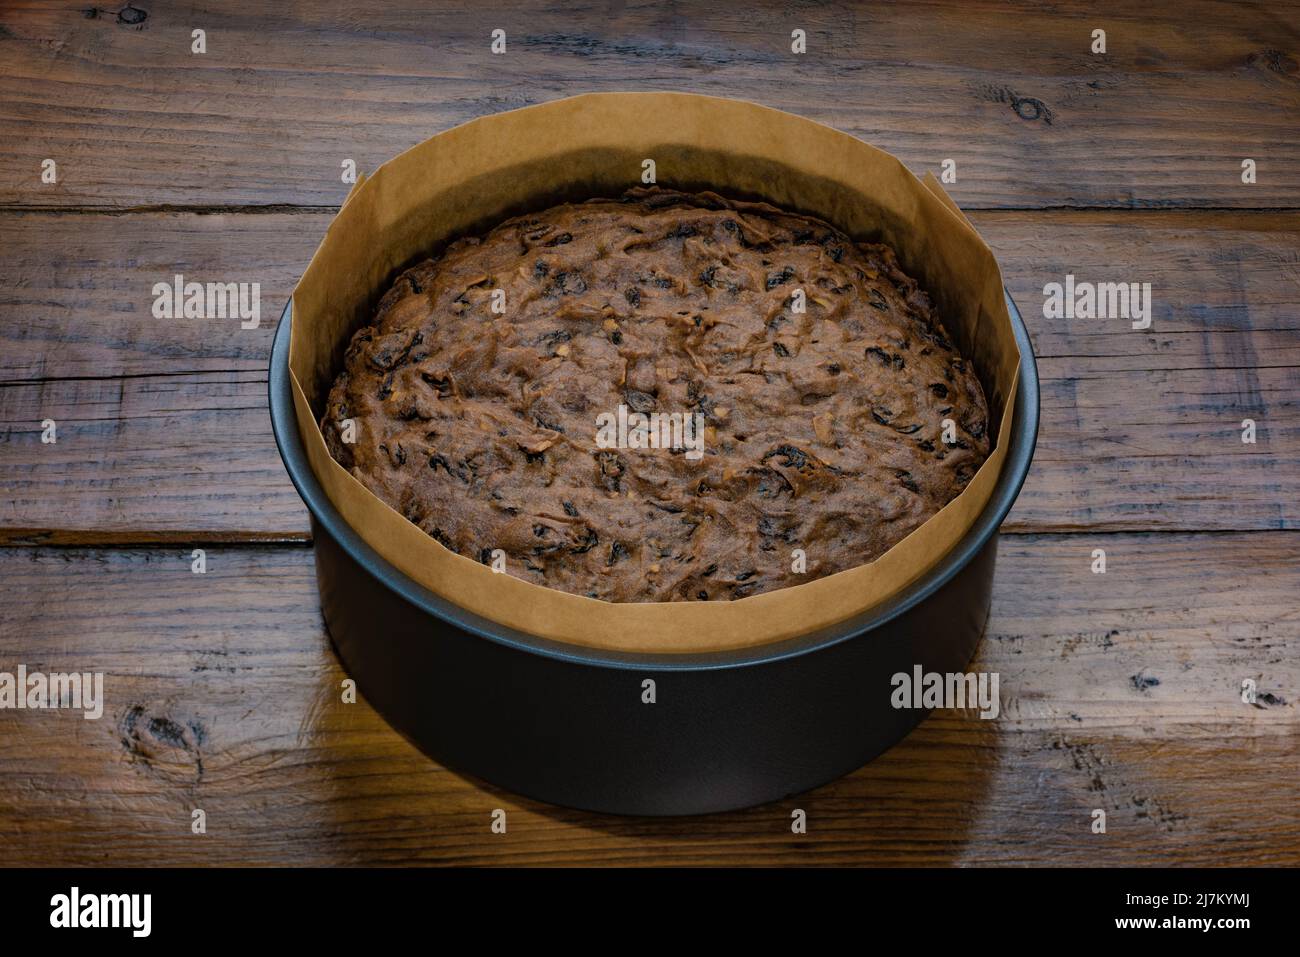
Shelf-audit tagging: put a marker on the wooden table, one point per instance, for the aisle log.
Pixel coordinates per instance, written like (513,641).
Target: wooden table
(1121,691)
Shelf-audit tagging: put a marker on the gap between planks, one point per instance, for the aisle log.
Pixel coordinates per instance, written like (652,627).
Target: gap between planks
(122,540)
(235,209)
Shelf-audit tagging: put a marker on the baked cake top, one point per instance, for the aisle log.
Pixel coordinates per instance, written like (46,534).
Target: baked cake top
(498,397)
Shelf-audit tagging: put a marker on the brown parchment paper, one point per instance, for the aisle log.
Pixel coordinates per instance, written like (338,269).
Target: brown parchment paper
(469,178)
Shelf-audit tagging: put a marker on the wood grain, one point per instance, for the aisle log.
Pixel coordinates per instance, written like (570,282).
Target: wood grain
(76,290)
(158,458)
(1011,92)
(1119,691)
(164,434)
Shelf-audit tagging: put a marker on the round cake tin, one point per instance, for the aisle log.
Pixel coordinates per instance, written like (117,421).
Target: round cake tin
(581,727)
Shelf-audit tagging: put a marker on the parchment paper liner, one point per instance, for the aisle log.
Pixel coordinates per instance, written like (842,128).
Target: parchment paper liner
(469,178)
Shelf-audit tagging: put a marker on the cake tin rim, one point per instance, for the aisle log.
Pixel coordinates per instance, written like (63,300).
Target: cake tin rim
(1023,438)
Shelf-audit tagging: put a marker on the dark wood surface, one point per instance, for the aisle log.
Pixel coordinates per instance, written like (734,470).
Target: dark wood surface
(1120,691)
(1010,91)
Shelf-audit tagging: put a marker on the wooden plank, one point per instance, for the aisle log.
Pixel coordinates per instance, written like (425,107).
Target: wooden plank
(182,458)
(76,291)
(1141,429)
(283,95)
(158,458)
(1119,691)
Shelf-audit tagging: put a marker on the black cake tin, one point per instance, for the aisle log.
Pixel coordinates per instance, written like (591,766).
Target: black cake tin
(570,725)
